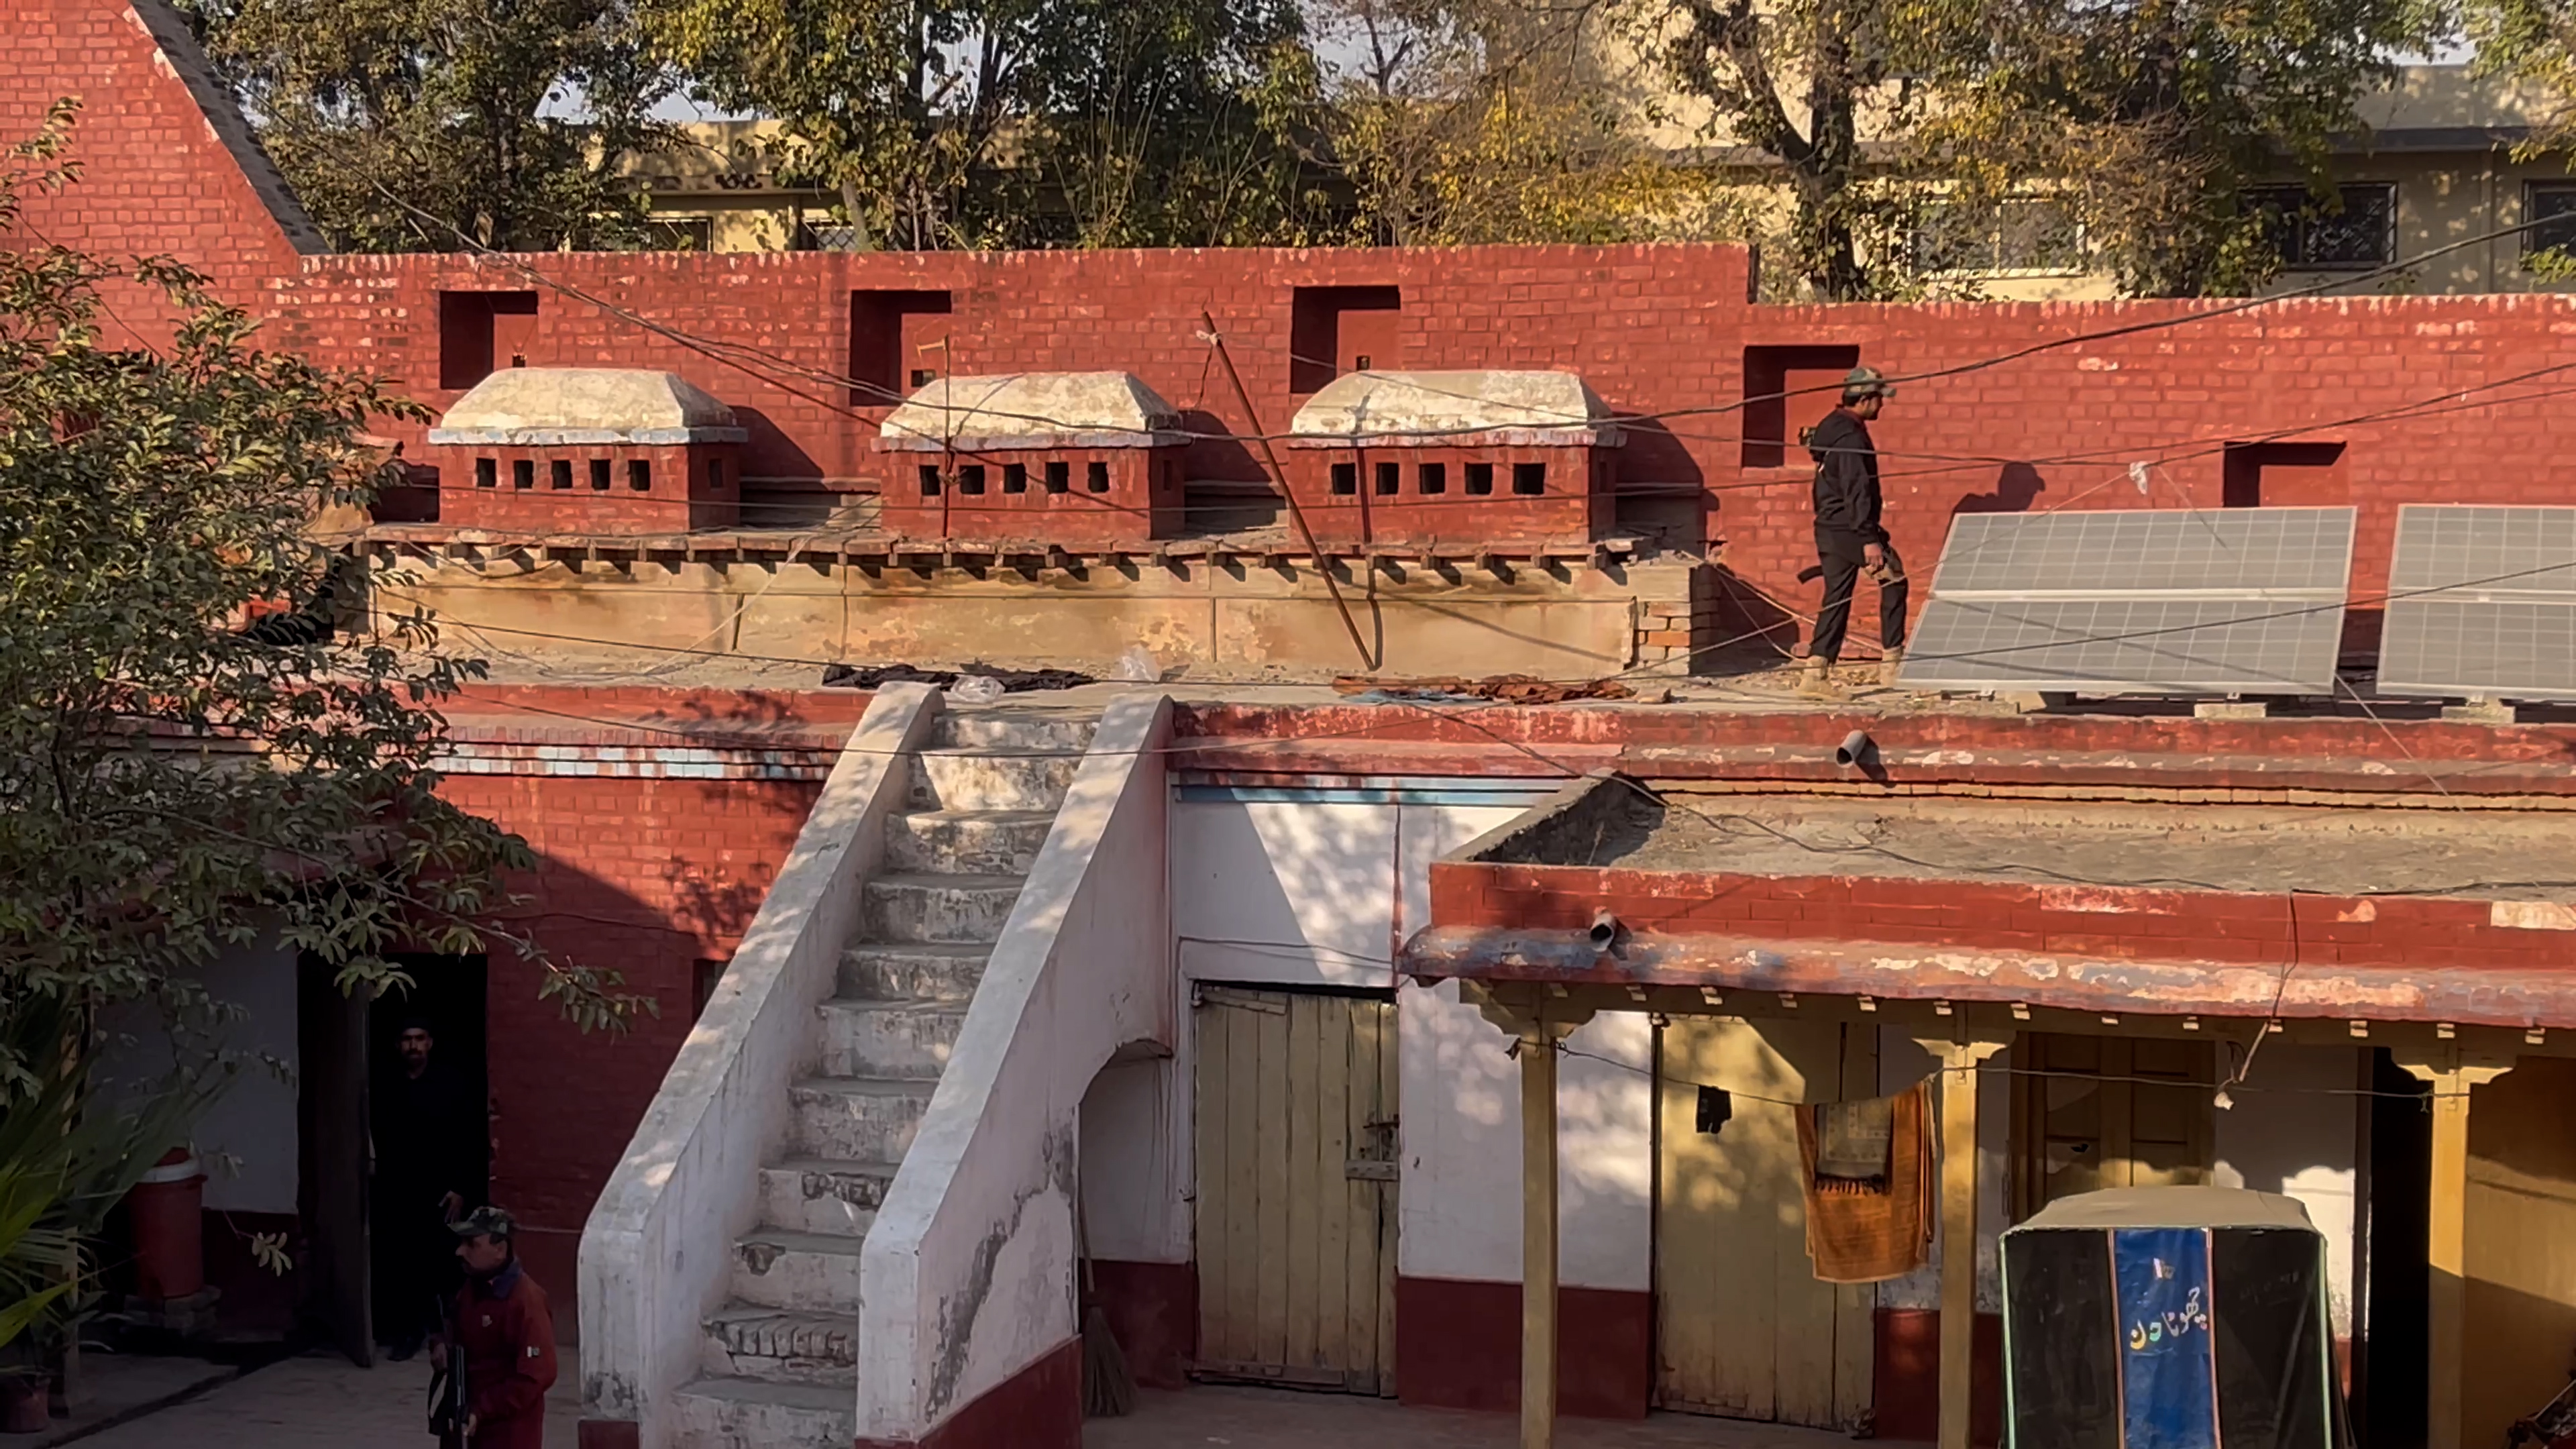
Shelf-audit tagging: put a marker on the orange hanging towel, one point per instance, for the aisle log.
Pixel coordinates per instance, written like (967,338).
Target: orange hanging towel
(1869,1212)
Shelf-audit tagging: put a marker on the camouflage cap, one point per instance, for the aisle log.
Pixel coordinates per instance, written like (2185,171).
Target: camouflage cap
(484,1222)
(1867,382)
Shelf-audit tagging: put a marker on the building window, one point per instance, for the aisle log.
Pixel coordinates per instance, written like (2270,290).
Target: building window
(1346,478)
(681,234)
(715,475)
(1529,480)
(2551,208)
(523,473)
(1059,476)
(970,479)
(1480,478)
(2030,236)
(1095,476)
(639,474)
(1390,478)
(929,480)
(1432,478)
(599,475)
(487,473)
(1334,330)
(559,472)
(1015,477)
(2354,230)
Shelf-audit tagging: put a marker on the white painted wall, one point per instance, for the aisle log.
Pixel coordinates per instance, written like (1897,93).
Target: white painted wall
(654,1259)
(1461,1204)
(1135,1179)
(967,1276)
(2294,1131)
(1297,892)
(248,1137)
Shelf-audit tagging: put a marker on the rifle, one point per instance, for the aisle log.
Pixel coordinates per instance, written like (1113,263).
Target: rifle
(447,1390)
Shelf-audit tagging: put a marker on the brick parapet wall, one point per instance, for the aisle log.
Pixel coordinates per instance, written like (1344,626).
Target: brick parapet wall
(2116,923)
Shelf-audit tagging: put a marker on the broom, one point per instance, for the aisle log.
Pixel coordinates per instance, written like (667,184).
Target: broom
(1108,1390)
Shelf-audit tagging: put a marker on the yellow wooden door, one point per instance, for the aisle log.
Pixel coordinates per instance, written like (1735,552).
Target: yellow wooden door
(1296,1189)
(1743,1327)
(2091,1112)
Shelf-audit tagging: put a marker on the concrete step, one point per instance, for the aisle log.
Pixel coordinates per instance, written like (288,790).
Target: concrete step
(739,1413)
(990,842)
(954,908)
(780,1345)
(857,1119)
(1012,729)
(888,1038)
(823,1195)
(913,971)
(972,778)
(816,1272)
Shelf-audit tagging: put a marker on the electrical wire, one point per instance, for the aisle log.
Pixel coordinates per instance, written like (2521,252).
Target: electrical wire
(1983,1069)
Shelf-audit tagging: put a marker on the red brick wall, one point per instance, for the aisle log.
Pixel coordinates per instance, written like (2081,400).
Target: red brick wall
(1142,500)
(681,493)
(644,876)
(1661,330)
(1574,504)
(159,180)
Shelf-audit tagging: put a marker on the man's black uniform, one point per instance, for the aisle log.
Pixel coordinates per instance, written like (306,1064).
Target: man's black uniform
(429,1143)
(1847,504)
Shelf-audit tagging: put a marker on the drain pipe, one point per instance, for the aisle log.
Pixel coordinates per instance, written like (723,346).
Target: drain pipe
(1856,750)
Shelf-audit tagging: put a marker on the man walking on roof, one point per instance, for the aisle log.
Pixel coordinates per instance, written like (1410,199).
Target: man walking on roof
(1850,540)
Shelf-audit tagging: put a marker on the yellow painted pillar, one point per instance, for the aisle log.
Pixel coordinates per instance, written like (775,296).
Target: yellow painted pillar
(1538,1237)
(1958,1061)
(2453,1074)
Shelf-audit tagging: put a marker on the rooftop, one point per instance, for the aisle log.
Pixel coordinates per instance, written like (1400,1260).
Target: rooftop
(585,404)
(1534,407)
(1033,409)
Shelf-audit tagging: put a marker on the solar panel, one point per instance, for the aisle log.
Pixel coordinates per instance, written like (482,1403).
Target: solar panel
(2482,603)
(2167,601)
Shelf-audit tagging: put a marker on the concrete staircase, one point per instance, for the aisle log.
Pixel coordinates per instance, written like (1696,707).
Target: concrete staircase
(781,1358)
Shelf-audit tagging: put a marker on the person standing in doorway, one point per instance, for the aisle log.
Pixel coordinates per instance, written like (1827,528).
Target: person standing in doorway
(1850,539)
(505,1333)
(429,1134)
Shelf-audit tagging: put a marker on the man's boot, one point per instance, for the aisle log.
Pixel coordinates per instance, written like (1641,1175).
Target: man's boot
(1888,663)
(1815,676)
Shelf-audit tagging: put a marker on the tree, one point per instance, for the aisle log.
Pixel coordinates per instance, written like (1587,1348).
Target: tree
(989,123)
(404,125)
(1805,84)
(178,773)
(1470,121)
(2148,119)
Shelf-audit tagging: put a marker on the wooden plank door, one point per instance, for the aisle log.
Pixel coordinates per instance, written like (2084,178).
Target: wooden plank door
(2093,1112)
(1297,1159)
(1743,1328)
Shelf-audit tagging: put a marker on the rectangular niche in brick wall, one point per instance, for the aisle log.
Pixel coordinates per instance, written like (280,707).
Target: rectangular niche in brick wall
(1334,330)
(1788,390)
(897,344)
(2284,475)
(482,332)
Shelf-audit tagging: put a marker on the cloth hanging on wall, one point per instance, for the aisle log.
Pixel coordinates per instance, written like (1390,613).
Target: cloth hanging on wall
(1871,1218)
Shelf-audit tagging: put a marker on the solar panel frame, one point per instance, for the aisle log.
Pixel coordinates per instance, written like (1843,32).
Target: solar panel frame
(2482,603)
(2152,601)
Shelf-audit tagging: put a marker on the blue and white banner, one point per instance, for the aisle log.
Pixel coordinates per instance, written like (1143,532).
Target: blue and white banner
(2168,1369)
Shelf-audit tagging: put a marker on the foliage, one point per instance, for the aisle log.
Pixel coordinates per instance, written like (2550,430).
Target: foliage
(174,780)
(403,124)
(1468,121)
(70,1150)
(971,122)
(1803,84)
(2149,118)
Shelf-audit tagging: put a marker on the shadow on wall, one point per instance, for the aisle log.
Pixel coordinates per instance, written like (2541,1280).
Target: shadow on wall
(1662,491)
(2521,1334)
(2016,488)
(1296,891)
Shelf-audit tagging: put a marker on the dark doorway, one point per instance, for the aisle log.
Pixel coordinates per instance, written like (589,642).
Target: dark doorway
(1788,390)
(1335,330)
(442,1119)
(331,1137)
(2388,1375)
